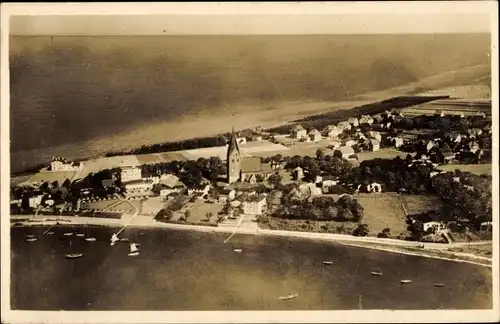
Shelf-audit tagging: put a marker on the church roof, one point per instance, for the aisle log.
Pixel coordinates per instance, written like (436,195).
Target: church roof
(233,144)
(251,164)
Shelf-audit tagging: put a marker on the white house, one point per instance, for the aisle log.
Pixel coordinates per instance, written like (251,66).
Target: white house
(333,131)
(255,205)
(398,142)
(138,186)
(298,132)
(374,187)
(35,201)
(328,181)
(366,119)
(298,173)
(374,145)
(315,135)
(61,164)
(376,135)
(202,189)
(130,174)
(344,126)
(437,226)
(353,121)
(346,151)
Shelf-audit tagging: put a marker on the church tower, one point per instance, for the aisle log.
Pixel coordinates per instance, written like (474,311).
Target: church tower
(233,159)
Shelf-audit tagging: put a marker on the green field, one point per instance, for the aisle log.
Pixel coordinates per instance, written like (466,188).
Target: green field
(472,168)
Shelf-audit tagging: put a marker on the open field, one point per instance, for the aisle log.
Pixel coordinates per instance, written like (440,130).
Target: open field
(48,176)
(416,204)
(472,168)
(250,148)
(199,209)
(383,210)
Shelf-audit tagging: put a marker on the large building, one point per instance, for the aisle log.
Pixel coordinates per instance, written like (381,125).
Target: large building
(128,174)
(61,164)
(248,169)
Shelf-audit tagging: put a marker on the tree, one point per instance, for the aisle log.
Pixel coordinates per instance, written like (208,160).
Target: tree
(386,232)
(337,154)
(209,216)
(361,230)
(187,214)
(320,154)
(275,180)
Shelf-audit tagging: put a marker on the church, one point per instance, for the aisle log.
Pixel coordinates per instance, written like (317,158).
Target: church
(244,169)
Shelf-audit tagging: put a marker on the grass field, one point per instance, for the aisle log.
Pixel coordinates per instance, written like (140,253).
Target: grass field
(199,209)
(472,168)
(48,176)
(381,211)
(416,204)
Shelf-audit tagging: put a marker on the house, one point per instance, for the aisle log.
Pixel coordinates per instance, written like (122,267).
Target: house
(398,141)
(377,118)
(298,173)
(255,205)
(333,131)
(350,143)
(353,121)
(365,119)
(347,151)
(226,195)
(430,222)
(448,156)
(298,132)
(138,186)
(61,164)
(315,135)
(474,132)
(344,126)
(130,174)
(328,181)
(169,180)
(374,145)
(334,145)
(486,226)
(430,145)
(35,201)
(387,125)
(376,135)
(374,187)
(474,147)
(200,189)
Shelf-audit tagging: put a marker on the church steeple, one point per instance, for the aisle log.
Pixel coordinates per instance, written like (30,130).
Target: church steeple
(233,159)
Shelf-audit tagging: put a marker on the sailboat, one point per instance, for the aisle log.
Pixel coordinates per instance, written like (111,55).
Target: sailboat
(114,239)
(134,250)
(73,255)
(327,262)
(289,296)
(68,234)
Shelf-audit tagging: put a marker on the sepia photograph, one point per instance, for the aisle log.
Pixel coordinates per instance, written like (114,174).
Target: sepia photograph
(220,162)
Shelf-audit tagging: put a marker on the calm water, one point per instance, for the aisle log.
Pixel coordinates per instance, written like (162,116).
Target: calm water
(179,270)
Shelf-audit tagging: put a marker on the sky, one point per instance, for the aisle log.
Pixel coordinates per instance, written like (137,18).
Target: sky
(260,19)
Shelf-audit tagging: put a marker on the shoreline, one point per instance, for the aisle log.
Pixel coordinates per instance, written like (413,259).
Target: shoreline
(387,245)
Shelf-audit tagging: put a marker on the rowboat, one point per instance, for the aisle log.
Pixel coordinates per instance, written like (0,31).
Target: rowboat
(134,250)
(68,234)
(237,250)
(124,239)
(438,285)
(133,254)
(49,233)
(80,234)
(90,239)
(288,297)
(31,239)
(376,273)
(74,255)
(327,262)
(406,281)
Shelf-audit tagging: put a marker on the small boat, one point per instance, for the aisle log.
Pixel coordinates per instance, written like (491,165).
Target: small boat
(376,273)
(124,239)
(68,234)
(80,234)
(49,233)
(134,250)
(438,285)
(74,255)
(31,239)
(114,239)
(30,236)
(90,239)
(133,254)
(327,262)
(289,297)
(406,281)
(237,250)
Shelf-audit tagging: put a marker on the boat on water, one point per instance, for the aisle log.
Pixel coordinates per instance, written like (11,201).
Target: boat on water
(29,235)
(80,234)
(289,297)
(376,273)
(237,250)
(90,239)
(72,255)
(31,239)
(406,281)
(49,233)
(134,249)
(327,262)
(114,239)
(68,234)
(438,285)
(124,239)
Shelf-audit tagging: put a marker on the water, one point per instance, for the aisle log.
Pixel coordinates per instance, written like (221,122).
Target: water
(180,270)
(75,90)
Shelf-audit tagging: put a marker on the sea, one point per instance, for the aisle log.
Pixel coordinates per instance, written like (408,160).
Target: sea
(187,270)
(69,92)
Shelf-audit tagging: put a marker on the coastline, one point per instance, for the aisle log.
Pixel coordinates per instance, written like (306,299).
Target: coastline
(431,250)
